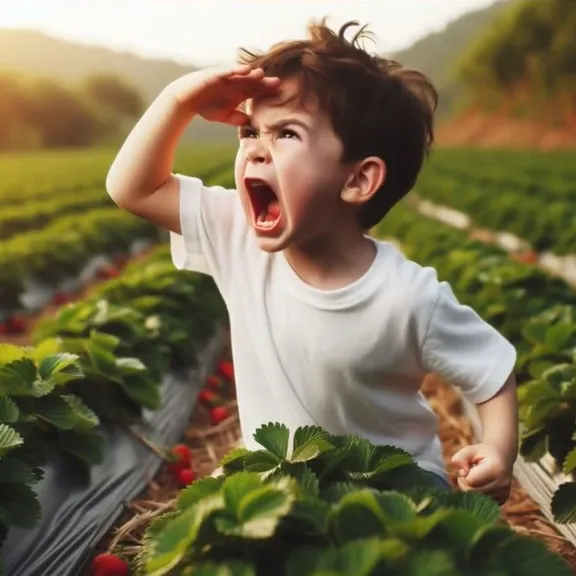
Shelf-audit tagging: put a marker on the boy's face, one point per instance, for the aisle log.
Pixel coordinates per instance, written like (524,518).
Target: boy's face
(289,171)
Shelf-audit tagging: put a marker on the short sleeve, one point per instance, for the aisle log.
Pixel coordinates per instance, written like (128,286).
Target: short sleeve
(211,222)
(465,350)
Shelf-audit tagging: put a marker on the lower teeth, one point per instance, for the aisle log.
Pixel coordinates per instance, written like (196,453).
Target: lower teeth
(263,223)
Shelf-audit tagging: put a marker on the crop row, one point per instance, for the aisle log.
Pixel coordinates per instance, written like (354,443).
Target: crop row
(536,312)
(40,176)
(44,257)
(98,361)
(511,193)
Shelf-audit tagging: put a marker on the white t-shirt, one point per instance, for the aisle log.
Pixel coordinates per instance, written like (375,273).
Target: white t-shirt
(350,360)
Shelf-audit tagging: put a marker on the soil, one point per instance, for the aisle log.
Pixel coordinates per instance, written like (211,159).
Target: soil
(476,129)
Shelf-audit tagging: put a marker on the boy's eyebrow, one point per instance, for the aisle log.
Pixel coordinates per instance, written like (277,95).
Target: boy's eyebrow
(282,123)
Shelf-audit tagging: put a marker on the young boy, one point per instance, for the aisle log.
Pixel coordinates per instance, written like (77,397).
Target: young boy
(329,326)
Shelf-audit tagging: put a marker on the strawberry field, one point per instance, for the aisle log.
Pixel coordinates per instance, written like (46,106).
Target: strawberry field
(117,403)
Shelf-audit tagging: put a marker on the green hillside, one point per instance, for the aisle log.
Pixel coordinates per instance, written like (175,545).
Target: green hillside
(437,54)
(38,53)
(526,62)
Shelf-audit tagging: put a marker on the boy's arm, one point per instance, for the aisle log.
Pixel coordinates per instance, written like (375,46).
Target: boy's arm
(140,179)
(499,418)
(458,345)
(488,466)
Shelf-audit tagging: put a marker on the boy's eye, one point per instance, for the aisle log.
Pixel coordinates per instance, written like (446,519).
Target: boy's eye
(247,132)
(287,133)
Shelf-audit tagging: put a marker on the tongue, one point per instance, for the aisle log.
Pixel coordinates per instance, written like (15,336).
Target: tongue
(271,213)
(273,209)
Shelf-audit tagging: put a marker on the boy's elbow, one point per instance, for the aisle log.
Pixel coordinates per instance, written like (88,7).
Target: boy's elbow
(115,190)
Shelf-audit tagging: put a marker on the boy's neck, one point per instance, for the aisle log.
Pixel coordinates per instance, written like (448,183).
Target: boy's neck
(332,263)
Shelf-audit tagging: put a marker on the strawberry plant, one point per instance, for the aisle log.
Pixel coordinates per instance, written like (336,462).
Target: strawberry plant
(36,409)
(333,505)
(98,361)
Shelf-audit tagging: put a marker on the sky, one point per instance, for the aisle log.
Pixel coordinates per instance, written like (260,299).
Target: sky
(206,32)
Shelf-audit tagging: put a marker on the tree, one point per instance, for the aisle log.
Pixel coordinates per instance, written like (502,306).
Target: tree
(113,94)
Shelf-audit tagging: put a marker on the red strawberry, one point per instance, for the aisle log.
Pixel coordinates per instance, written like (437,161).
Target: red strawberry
(109,565)
(215,382)
(182,457)
(17,324)
(218,414)
(186,476)
(111,271)
(181,452)
(226,369)
(60,298)
(206,396)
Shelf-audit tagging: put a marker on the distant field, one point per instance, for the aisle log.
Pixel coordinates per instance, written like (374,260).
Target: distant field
(55,213)
(530,194)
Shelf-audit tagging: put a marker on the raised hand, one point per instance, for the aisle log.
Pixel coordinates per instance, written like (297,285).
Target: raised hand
(216,93)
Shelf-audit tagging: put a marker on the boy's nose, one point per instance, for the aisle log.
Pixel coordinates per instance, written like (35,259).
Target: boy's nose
(258,152)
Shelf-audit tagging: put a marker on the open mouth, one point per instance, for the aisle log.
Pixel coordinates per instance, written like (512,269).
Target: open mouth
(265,204)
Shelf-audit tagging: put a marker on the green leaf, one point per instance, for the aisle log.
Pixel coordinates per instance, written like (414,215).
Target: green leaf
(60,368)
(309,442)
(19,505)
(130,365)
(100,352)
(261,461)
(307,480)
(458,527)
(56,411)
(431,563)
(254,512)
(358,515)
(563,504)
(533,444)
(570,462)
(87,446)
(47,347)
(8,410)
(356,558)
(17,378)
(559,336)
(233,461)
(9,439)
(198,490)
(535,332)
(10,353)
(274,437)
(522,556)
(231,568)
(14,471)
(236,487)
(84,418)
(178,535)
(143,390)
(484,545)
(482,507)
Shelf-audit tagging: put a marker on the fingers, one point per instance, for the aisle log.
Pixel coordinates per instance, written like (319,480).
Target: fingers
(237,118)
(464,459)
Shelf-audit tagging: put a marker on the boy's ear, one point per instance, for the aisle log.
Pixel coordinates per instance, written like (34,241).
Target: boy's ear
(364,181)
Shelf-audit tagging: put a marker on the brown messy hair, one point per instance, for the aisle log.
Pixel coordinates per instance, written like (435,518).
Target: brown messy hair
(377,107)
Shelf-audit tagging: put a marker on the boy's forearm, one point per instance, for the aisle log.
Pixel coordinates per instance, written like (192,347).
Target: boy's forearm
(144,163)
(499,417)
